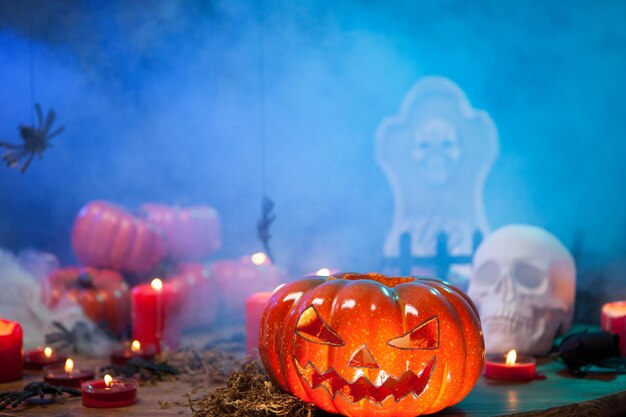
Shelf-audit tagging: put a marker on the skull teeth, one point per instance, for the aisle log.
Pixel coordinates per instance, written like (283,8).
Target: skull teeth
(507,323)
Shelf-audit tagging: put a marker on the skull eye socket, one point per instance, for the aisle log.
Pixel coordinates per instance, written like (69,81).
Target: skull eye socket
(487,274)
(528,275)
(424,336)
(312,328)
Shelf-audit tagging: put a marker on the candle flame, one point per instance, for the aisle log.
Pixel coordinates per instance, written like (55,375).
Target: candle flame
(157,284)
(258,258)
(69,366)
(108,379)
(135,346)
(323,272)
(511,357)
(47,352)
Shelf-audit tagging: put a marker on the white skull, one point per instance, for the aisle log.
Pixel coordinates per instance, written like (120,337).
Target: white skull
(436,149)
(523,283)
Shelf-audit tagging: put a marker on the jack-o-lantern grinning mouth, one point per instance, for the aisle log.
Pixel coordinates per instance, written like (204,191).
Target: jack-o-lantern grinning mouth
(408,383)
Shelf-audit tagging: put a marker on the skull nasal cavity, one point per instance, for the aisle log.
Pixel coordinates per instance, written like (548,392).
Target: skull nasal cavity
(362,358)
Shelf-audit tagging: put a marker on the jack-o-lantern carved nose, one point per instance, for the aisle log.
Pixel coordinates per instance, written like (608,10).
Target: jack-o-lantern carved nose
(363,358)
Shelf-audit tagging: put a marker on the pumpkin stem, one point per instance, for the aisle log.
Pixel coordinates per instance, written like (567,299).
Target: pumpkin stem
(85,281)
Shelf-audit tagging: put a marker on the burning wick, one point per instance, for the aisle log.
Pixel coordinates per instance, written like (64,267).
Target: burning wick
(258,258)
(511,357)
(323,272)
(157,284)
(47,352)
(108,380)
(69,366)
(135,347)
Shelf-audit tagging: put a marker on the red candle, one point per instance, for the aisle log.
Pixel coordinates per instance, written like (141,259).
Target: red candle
(35,360)
(109,392)
(66,376)
(255,304)
(132,350)
(10,351)
(155,310)
(510,367)
(613,320)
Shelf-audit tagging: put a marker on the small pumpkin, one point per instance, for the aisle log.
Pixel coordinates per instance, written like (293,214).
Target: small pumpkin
(197,290)
(365,345)
(102,293)
(191,233)
(107,236)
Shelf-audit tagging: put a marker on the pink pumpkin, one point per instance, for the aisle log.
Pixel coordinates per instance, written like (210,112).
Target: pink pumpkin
(196,286)
(237,279)
(107,236)
(192,233)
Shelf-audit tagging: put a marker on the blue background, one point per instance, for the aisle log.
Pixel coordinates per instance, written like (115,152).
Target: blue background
(169,101)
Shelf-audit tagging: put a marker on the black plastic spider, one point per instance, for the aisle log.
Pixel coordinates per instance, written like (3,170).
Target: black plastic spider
(36,140)
(34,389)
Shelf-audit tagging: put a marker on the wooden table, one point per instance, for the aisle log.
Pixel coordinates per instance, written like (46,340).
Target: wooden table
(488,398)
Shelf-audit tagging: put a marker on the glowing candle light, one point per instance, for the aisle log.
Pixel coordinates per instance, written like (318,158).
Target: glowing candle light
(109,392)
(510,357)
(511,367)
(613,320)
(35,360)
(68,375)
(155,314)
(259,258)
(69,366)
(131,350)
(11,367)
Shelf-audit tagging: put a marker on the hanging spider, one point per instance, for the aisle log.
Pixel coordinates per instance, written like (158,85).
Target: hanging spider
(36,140)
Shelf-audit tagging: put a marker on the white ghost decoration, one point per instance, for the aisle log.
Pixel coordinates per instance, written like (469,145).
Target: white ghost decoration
(436,153)
(523,283)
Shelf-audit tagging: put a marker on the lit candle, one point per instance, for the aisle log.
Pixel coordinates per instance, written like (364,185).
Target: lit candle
(255,305)
(238,279)
(35,360)
(131,350)
(109,392)
(10,351)
(613,320)
(155,311)
(67,376)
(510,367)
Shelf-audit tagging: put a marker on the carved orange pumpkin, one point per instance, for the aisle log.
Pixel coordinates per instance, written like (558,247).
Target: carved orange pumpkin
(105,235)
(365,345)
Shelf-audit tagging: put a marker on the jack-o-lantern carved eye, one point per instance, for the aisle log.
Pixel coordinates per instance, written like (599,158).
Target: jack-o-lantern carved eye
(424,336)
(311,327)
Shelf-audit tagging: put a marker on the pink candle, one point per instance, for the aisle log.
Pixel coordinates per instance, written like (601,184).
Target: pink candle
(510,367)
(10,351)
(613,320)
(109,392)
(35,360)
(255,304)
(155,310)
(67,375)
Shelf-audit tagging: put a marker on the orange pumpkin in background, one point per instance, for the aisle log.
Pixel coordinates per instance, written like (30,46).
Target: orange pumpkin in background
(191,233)
(197,290)
(365,345)
(107,236)
(102,293)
